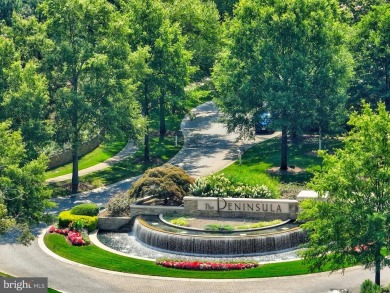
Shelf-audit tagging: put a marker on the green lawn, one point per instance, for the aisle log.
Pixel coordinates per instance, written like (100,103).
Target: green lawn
(96,257)
(258,159)
(161,150)
(103,152)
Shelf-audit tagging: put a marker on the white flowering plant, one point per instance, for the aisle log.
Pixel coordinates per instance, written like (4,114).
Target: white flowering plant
(220,186)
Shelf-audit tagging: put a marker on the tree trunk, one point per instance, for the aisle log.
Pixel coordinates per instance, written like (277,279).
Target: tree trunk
(146,147)
(283,157)
(163,127)
(320,138)
(294,136)
(146,115)
(75,171)
(75,156)
(378,272)
(75,139)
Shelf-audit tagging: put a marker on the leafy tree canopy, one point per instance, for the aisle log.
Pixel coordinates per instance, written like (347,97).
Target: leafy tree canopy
(352,223)
(371,49)
(284,57)
(90,81)
(199,21)
(23,194)
(355,9)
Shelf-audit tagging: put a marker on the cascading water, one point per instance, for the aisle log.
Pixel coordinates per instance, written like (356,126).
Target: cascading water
(218,245)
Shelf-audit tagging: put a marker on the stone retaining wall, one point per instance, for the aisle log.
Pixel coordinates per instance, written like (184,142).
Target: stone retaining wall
(136,210)
(112,223)
(65,157)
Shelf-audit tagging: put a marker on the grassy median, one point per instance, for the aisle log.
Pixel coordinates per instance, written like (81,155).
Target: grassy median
(96,257)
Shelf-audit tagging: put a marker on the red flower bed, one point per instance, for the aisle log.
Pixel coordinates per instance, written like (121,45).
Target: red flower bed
(206,266)
(74,237)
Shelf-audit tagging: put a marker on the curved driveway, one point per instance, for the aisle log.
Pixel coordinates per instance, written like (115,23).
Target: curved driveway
(207,149)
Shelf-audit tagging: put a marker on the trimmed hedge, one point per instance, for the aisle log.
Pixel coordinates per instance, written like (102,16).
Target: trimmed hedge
(65,218)
(85,209)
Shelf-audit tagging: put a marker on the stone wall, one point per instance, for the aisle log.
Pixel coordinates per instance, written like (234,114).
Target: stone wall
(112,223)
(65,157)
(136,210)
(266,209)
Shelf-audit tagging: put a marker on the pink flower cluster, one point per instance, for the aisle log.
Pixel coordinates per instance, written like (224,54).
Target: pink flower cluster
(206,266)
(53,229)
(74,236)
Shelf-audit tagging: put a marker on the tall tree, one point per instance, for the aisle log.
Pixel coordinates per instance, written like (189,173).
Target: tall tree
(166,58)
(172,68)
(26,104)
(23,90)
(352,223)
(371,49)
(23,193)
(87,71)
(199,21)
(282,57)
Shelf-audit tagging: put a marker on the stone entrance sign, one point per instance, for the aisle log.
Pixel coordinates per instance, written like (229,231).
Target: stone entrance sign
(241,207)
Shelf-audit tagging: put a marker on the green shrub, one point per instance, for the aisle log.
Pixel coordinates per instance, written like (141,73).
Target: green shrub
(218,227)
(166,182)
(180,222)
(369,287)
(65,218)
(85,209)
(119,205)
(259,225)
(220,186)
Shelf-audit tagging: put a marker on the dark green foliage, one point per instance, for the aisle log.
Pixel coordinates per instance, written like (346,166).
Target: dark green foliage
(369,287)
(65,218)
(86,209)
(167,182)
(225,7)
(371,48)
(200,24)
(7,7)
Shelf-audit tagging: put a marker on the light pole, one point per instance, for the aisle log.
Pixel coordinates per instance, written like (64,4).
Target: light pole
(239,156)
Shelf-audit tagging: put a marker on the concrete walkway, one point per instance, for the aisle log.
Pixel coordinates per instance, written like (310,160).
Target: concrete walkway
(126,152)
(207,148)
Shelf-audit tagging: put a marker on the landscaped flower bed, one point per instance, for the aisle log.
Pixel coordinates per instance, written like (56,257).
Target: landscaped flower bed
(206,266)
(74,237)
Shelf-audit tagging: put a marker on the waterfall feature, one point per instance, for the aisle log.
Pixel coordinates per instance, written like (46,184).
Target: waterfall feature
(218,245)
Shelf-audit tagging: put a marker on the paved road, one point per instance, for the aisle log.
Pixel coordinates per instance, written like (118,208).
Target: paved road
(207,148)
(32,261)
